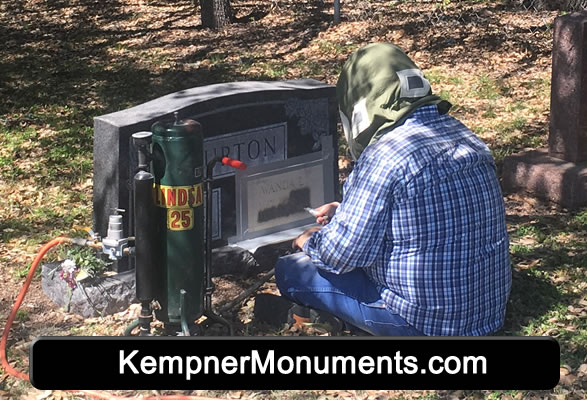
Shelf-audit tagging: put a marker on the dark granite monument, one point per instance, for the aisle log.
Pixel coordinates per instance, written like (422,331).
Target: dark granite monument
(559,173)
(286,134)
(259,123)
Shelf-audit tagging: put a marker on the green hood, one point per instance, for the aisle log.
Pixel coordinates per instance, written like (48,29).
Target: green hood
(378,88)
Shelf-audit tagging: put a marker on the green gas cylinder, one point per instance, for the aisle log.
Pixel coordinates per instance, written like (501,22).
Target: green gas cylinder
(178,166)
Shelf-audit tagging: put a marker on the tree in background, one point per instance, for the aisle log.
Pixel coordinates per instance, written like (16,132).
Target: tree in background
(563,5)
(216,13)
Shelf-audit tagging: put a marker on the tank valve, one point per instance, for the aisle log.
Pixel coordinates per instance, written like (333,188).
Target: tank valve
(114,243)
(142,141)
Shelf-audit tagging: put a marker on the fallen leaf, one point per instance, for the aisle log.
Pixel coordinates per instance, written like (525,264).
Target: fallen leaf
(529,265)
(567,379)
(527,240)
(343,163)
(43,395)
(553,332)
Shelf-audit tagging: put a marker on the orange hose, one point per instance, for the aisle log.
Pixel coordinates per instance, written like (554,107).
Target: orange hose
(13,372)
(7,367)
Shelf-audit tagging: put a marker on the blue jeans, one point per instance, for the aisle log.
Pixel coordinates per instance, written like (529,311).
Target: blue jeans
(352,297)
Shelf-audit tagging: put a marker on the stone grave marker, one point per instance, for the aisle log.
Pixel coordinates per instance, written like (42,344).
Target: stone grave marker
(259,123)
(559,173)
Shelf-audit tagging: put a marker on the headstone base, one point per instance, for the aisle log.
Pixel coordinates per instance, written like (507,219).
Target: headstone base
(546,177)
(110,294)
(92,297)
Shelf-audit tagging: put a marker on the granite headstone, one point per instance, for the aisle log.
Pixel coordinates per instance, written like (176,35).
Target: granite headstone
(568,99)
(559,173)
(260,123)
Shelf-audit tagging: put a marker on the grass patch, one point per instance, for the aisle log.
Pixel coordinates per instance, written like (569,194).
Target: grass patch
(510,136)
(22,316)
(488,88)
(549,254)
(275,70)
(580,220)
(435,77)
(520,250)
(54,139)
(217,58)
(245,63)
(490,112)
(335,48)
(518,123)
(313,69)
(455,80)
(529,230)
(445,95)
(541,86)
(517,106)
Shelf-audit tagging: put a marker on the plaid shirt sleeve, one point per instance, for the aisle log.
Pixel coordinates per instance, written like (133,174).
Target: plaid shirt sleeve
(354,237)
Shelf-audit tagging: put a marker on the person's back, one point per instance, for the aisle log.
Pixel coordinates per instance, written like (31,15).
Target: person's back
(444,261)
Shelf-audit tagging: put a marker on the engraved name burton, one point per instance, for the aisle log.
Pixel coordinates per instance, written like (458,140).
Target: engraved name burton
(253,147)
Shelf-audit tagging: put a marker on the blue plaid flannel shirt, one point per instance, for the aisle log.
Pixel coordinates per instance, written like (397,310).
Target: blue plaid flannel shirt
(423,215)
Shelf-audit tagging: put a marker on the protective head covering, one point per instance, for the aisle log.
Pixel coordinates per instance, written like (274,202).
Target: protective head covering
(378,88)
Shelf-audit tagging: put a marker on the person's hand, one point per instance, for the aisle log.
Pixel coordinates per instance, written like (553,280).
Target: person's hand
(325,213)
(298,242)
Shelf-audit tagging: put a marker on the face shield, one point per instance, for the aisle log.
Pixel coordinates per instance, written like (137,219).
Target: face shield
(378,88)
(346,129)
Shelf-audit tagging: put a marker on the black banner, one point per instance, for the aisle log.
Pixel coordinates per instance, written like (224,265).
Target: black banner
(302,363)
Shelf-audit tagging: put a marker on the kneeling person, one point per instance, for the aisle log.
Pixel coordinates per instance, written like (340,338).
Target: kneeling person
(418,245)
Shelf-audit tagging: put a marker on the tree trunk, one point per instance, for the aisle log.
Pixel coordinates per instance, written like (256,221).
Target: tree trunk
(216,13)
